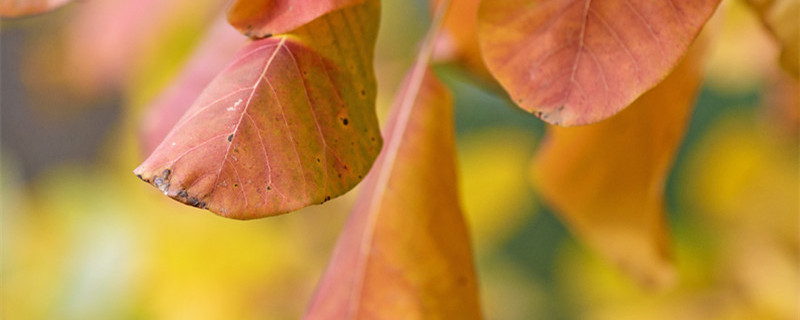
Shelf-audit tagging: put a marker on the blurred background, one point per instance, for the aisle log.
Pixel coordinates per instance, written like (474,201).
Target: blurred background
(82,238)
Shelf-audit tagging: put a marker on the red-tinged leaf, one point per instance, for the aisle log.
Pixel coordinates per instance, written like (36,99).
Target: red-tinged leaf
(606,180)
(405,252)
(782,18)
(211,57)
(262,18)
(289,123)
(20,8)
(578,62)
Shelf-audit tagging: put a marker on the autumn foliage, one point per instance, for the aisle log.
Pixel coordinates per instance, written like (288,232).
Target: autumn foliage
(281,115)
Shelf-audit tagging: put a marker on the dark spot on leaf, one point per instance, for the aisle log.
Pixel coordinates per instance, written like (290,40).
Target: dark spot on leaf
(340,175)
(345,121)
(162,182)
(345,167)
(363,93)
(269,188)
(235,185)
(372,138)
(230,137)
(359,177)
(194,202)
(318,160)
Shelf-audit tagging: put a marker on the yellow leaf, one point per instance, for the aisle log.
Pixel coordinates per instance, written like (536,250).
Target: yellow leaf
(606,180)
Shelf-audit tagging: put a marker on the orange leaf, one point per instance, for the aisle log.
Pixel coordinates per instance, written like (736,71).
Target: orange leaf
(263,18)
(606,180)
(405,252)
(20,8)
(579,62)
(457,41)
(209,59)
(289,123)
(781,18)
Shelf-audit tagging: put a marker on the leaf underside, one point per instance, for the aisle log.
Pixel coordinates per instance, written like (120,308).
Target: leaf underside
(289,123)
(579,62)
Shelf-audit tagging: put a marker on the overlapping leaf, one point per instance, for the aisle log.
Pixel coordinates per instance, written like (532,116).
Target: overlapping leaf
(578,62)
(289,123)
(262,18)
(405,253)
(781,18)
(20,8)
(606,180)
(458,41)
(211,57)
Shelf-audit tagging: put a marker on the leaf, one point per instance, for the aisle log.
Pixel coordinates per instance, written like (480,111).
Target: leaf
(405,252)
(21,8)
(211,57)
(263,18)
(781,18)
(606,180)
(457,41)
(289,123)
(579,62)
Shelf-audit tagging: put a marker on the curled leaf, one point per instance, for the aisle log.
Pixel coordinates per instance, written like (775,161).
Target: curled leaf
(405,252)
(579,62)
(21,8)
(289,123)
(263,18)
(606,180)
